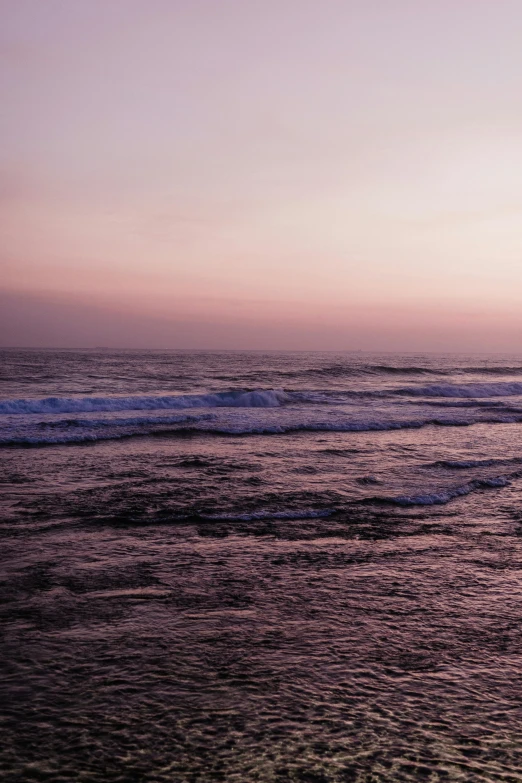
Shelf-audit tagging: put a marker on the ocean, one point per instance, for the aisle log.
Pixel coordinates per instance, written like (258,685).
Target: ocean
(229,566)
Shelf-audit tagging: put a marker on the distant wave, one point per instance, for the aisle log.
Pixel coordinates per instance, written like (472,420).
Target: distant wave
(495,370)
(391,369)
(342,370)
(270,398)
(464,390)
(350,370)
(416,370)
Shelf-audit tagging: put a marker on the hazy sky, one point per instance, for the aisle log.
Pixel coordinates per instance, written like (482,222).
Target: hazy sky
(261,173)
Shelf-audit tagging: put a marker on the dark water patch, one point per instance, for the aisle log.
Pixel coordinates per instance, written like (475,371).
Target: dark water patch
(343,452)
(47,576)
(324,559)
(15,478)
(307,470)
(194,462)
(108,577)
(389,369)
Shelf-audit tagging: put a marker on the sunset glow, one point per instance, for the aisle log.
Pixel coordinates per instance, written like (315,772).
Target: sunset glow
(330,175)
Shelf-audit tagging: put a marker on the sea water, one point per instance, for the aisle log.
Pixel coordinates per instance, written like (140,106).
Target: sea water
(260,566)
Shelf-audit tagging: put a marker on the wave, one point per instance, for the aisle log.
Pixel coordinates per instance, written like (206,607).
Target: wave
(342,370)
(506,389)
(258,398)
(467,403)
(72,439)
(416,370)
(270,398)
(132,421)
(390,369)
(498,370)
(464,464)
(81,430)
(360,426)
(446,495)
(350,426)
(77,431)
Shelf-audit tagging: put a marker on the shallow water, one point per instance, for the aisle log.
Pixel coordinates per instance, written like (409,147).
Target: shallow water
(261,567)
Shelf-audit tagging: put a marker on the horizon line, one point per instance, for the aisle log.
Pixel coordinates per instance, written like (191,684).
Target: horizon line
(107,349)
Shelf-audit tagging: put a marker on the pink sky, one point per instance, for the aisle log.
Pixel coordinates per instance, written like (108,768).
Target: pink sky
(334,174)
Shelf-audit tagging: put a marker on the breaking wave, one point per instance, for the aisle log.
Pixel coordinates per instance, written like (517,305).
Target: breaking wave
(258,398)
(507,389)
(270,398)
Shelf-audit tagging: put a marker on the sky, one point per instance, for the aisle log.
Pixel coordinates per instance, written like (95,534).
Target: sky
(265,174)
